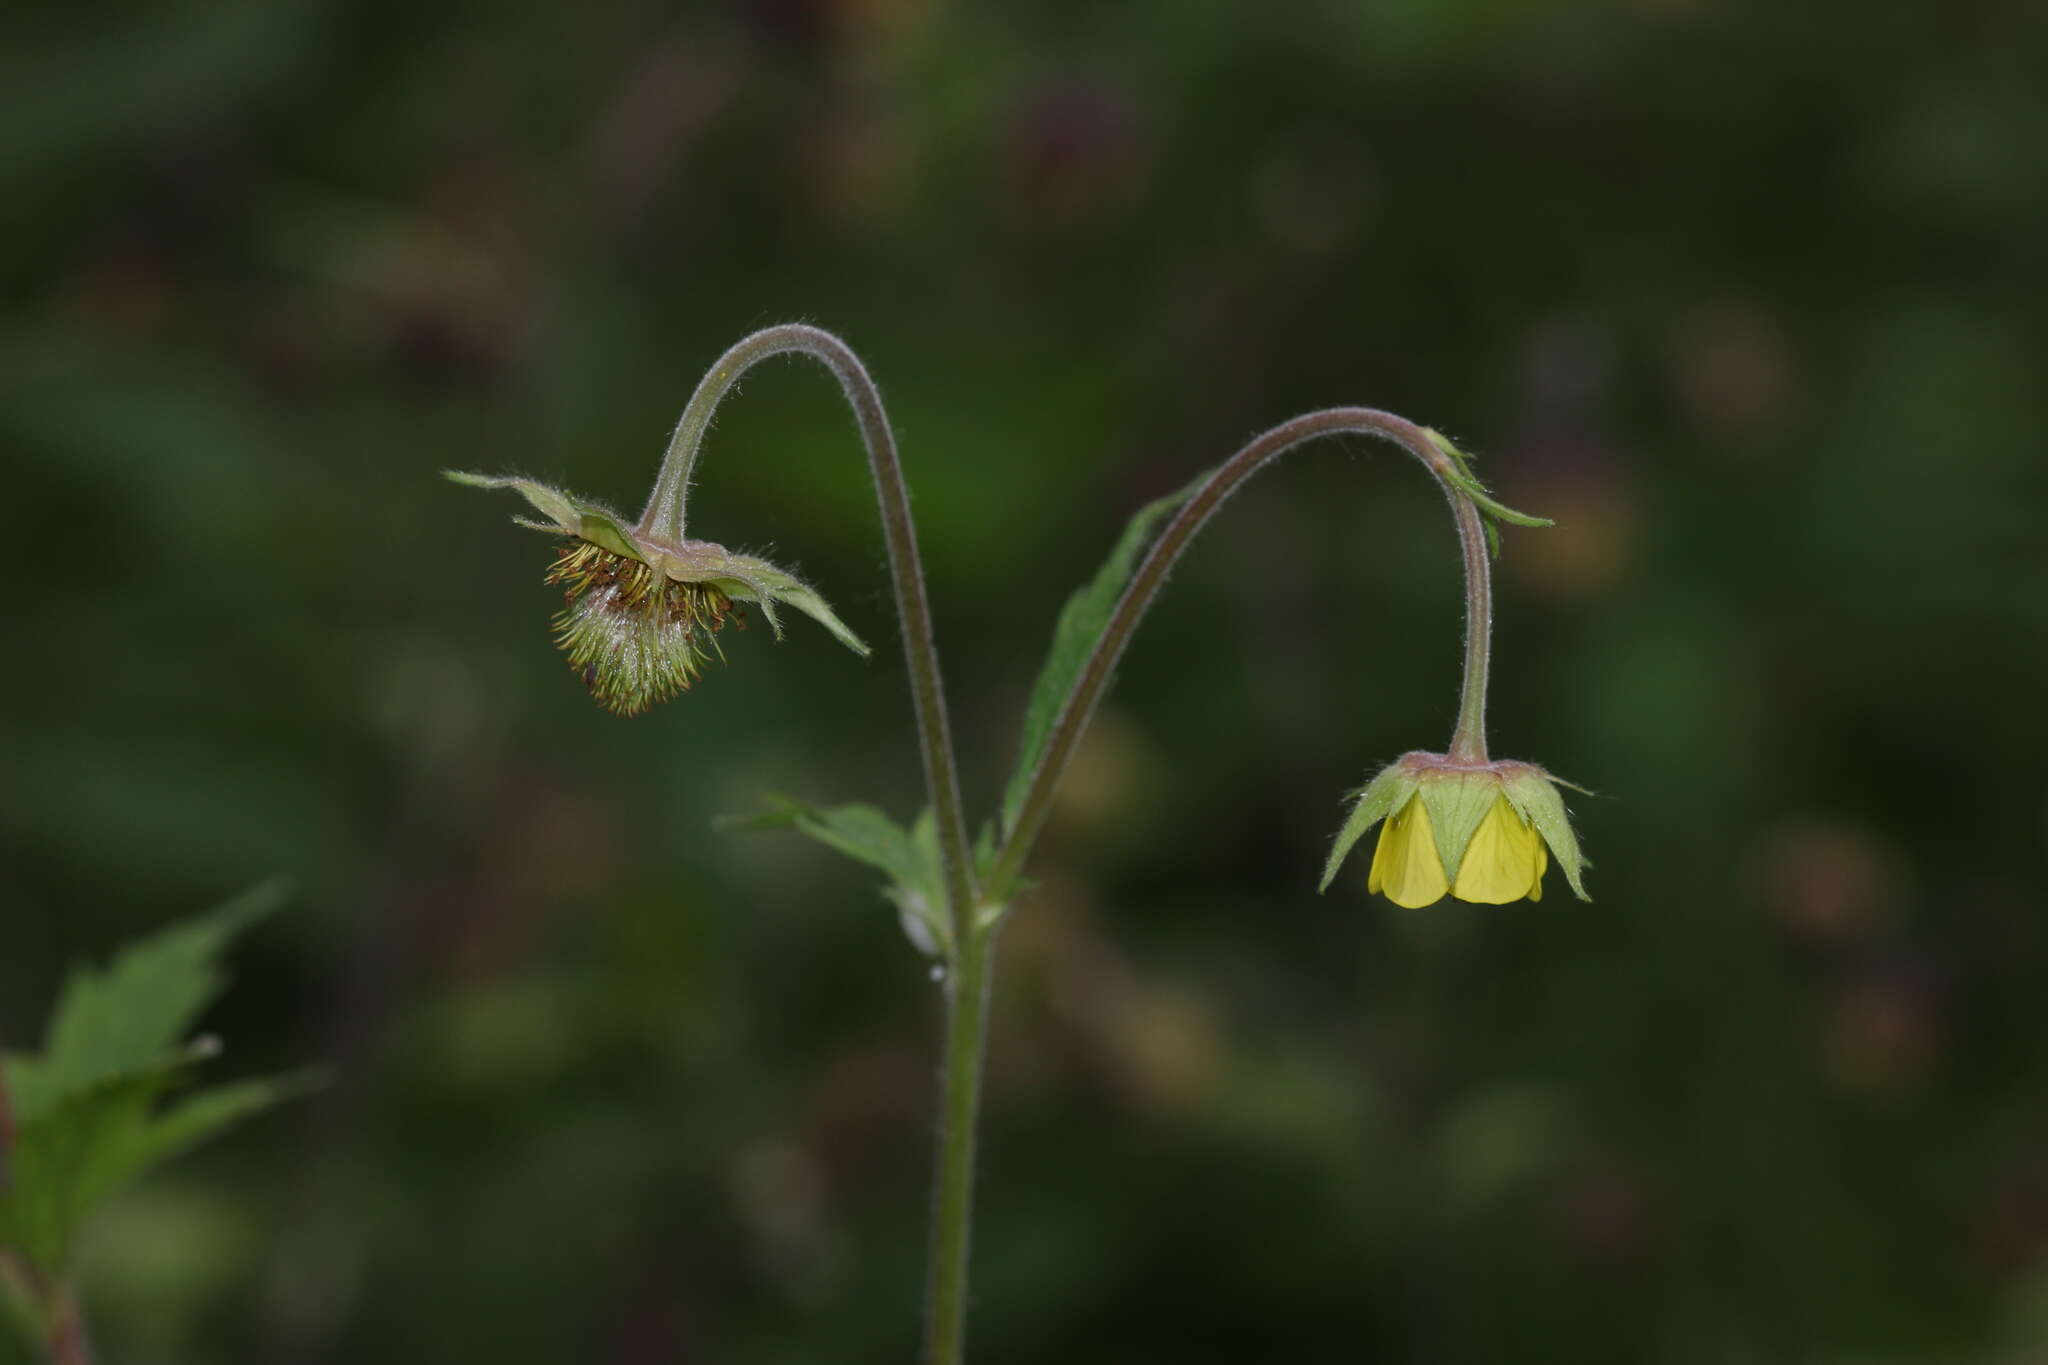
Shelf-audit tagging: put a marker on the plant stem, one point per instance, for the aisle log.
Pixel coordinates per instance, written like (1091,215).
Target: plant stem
(69,1344)
(663,517)
(972,941)
(1468,741)
(967,1001)
(1144,586)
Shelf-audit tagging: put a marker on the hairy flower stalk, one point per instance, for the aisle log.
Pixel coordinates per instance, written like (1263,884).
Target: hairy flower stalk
(1474,511)
(1457,823)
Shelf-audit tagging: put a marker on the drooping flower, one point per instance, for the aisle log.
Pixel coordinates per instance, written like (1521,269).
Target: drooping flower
(1482,832)
(641,613)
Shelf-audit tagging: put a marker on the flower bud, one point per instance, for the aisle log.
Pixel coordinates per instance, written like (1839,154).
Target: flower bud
(1484,832)
(641,613)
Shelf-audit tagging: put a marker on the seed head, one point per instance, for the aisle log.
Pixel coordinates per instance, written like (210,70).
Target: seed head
(641,614)
(632,637)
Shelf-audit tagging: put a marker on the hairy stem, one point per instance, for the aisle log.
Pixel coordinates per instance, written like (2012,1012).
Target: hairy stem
(1468,741)
(967,1001)
(1138,594)
(972,956)
(69,1344)
(663,517)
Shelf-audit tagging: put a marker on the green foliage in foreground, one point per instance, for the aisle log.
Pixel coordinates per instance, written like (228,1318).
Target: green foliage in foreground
(95,1109)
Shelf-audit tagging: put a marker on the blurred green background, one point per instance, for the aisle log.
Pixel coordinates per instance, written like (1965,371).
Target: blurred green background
(1748,297)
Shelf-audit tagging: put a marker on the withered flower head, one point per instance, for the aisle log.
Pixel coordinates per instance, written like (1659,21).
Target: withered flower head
(641,614)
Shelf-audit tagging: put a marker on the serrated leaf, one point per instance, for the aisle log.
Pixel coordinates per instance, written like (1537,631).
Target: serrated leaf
(95,1142)
(71,1155)
(211,1112)
(1081,622)
(126,1017)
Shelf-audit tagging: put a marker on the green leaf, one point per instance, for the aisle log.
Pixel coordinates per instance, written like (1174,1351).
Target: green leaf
(128,1016)
(909,858)
(921,901)
(1081,623)
(209,1113)
(71,1155)
(86,1110)
(95,1142)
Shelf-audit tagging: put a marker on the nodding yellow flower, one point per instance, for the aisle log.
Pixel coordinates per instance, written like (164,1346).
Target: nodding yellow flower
(641,614)
(1482,832)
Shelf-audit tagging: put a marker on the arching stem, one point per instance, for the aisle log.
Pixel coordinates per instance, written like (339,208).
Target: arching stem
(664,517)
(975,926)
(1468,741)
(972,945)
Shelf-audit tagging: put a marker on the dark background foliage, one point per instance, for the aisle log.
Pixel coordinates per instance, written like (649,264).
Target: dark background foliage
(1748,297)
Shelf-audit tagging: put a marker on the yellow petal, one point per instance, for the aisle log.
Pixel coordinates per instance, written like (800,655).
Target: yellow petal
(1504,861)
(1405,868)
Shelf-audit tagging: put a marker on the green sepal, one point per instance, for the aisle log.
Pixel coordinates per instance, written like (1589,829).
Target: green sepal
(565,512)
(909,858)
(1500,510)
(746,578)
(601,528)
(1457,802)
(1376,800)
(1465,481)
(1533,794)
